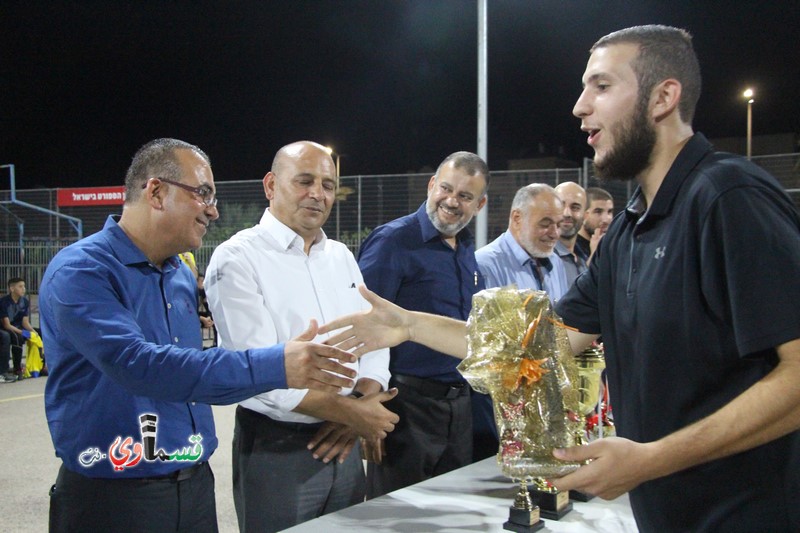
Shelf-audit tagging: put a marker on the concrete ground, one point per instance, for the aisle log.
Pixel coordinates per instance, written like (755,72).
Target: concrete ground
(28,465)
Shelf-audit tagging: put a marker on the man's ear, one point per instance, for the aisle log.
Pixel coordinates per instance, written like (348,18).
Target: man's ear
(665,98)
(154,194)
(431,182)
(269,185)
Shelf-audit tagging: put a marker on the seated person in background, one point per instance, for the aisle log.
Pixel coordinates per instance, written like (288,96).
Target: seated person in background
(15,310)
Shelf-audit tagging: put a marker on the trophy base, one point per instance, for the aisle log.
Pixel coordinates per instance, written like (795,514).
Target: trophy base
(523,521)
(556,515)
(579,496)
(552,505)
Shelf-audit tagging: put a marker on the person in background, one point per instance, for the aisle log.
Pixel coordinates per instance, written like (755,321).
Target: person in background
(15,313)
(599,212)
(426,261)
(523,254)
(127,400)
(189,260)
(574,198)
(203,310)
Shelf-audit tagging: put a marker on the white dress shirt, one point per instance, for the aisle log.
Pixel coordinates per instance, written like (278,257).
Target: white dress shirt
(263,289)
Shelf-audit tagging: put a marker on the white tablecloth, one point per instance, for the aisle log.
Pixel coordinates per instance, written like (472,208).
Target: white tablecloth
(473,498)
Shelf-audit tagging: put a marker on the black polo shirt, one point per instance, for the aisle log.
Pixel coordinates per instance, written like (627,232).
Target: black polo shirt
(691,297)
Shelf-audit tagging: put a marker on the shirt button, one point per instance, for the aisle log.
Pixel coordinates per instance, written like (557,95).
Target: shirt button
(176,340)
(169,306)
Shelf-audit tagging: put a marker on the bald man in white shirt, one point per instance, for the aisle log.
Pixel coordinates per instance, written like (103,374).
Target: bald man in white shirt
(296,453)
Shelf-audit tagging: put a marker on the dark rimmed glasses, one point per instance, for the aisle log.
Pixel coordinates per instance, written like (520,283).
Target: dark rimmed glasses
(205,192)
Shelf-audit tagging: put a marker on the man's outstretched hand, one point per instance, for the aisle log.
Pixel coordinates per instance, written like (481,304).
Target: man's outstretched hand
(383,326)
(314,366)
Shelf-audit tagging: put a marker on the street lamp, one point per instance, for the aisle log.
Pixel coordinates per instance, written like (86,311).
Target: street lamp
(332,154)
(748,93)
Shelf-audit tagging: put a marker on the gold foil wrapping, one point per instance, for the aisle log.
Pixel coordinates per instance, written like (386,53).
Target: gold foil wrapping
(518,352)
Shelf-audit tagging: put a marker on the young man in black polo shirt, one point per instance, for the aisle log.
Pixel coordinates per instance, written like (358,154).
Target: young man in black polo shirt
(695,290)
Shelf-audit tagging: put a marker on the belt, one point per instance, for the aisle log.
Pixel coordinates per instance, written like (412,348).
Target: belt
(179,475)
(254,417)
(432,388)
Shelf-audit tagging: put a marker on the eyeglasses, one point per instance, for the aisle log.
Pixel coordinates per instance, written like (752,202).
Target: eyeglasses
(205,192)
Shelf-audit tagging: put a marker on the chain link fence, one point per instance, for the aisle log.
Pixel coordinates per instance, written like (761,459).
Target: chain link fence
(29,239)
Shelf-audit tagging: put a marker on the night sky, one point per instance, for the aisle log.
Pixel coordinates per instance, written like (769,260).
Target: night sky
(391,85)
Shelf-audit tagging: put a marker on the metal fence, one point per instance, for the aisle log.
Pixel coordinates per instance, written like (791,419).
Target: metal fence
(364,203)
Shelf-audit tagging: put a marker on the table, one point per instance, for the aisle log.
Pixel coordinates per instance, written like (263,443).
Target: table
(472,498)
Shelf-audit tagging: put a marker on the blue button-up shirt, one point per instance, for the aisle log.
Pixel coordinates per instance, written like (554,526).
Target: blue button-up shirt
(503,262)
(407,262)
(126,362)
(574,263)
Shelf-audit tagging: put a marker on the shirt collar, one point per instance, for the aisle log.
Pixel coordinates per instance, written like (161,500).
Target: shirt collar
(286,236)
(688,158)
(429,232)
(127,252)
(561,250)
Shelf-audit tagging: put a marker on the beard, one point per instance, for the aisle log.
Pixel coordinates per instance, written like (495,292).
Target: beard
(636,139)
(570,233)
(448,230)
(538,254)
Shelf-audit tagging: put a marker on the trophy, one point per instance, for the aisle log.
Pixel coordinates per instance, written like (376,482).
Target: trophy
(523,516)
(518,352)
(553,503)
(591,364)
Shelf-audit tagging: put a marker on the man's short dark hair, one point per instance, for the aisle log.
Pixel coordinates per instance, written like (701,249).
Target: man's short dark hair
(470,163)
(596,193)
(14,281)
(156,159)
(664,52)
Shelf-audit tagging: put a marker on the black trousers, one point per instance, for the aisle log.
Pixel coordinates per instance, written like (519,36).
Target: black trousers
(79,503)
(15,342)
(434,435)
(277,483)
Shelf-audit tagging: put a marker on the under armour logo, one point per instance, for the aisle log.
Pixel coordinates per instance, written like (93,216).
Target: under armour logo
(660,252)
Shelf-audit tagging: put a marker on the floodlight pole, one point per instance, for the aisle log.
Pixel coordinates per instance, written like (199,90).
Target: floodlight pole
(481,221)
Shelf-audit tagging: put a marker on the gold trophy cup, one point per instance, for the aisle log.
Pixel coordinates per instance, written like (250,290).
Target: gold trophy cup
(591,363)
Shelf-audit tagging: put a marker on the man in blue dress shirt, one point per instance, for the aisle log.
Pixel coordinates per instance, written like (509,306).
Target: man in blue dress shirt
(129,387)
(574,198)
(426,261)
(523,254)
